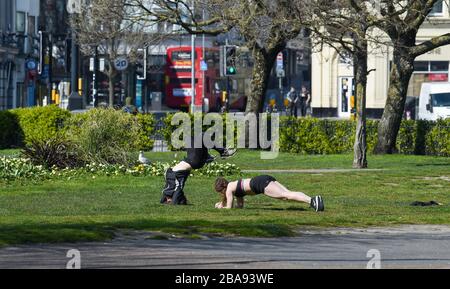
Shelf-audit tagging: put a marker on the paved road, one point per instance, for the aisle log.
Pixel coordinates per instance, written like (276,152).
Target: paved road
(401,247)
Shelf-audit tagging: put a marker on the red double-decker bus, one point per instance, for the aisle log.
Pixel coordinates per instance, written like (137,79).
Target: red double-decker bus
(209,85)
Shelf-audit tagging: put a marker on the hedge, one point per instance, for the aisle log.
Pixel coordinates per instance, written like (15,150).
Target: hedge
(18,127)
(11,134)
(325,136)
(147,124)
(437,140)
(21,126)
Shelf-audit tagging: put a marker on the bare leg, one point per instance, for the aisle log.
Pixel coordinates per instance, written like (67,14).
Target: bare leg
(182,166)
(278,191)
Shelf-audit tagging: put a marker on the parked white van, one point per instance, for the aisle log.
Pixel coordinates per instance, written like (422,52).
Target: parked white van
(434,100)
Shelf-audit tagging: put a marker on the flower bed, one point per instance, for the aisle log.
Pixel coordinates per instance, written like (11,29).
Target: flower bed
(22,169)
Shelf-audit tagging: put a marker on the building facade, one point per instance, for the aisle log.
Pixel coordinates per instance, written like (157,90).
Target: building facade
(332,75)
(19,52)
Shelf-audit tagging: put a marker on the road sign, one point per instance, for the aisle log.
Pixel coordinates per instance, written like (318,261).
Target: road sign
(91,63)
(121,63)
(31,64)
(101,65)
(280,61)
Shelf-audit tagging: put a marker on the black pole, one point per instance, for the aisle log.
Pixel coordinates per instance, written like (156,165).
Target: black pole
(73,65)
(50,65)
(75,100)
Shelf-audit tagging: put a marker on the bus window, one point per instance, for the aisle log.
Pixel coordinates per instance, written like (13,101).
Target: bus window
(178,81)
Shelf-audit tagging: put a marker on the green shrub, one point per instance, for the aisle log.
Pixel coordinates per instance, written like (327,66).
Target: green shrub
(11,134)
(372,134)
(54,152)
(316,136)
(105,136)
(411,138)
(406,137)
(41,123)
(438,139)
(147,129)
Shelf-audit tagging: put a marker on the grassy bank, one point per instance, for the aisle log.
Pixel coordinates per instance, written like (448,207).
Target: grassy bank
(94,208)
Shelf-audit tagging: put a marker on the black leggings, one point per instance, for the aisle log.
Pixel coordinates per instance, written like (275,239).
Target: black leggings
(196,157)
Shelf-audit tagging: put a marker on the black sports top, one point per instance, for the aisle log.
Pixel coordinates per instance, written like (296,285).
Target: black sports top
(257,185)
(239,189)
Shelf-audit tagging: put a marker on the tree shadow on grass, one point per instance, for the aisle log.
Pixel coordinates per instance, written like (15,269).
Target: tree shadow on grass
(299,209)
(65,233)
(433,165)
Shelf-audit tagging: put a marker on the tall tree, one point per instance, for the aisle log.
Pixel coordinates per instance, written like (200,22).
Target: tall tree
(265,25)
(344,25)
(401,21)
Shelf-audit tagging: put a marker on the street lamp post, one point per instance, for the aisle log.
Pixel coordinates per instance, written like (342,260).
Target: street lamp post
(94,78)
(193,65)
(75,100)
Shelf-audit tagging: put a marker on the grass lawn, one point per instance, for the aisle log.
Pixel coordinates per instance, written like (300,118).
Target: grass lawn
(93,209)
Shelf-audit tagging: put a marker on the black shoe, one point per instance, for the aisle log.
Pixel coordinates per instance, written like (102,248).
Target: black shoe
(209,159)
(317,203)
(227,153)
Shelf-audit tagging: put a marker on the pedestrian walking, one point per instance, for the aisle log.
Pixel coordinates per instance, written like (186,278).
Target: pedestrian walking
(292,97)
(305,100)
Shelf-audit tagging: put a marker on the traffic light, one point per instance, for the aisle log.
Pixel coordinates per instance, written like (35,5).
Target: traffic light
(59,51)
(141,64)
(230,60)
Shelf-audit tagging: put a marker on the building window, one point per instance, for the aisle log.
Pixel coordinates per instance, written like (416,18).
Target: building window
(439,66)
(31,25)
(421,66)
(438,9)
(427,71)
(20,22)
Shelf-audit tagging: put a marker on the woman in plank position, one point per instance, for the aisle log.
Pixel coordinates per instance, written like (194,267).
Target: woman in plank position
(264,184)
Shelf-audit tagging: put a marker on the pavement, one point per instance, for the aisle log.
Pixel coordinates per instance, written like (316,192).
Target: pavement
(421,246)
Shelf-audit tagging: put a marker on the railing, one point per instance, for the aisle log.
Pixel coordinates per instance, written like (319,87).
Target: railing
(159,145)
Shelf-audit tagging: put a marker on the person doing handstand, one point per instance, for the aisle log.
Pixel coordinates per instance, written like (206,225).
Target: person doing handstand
(176,176)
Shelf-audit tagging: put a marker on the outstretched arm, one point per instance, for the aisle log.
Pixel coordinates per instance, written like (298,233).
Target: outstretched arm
(230,197)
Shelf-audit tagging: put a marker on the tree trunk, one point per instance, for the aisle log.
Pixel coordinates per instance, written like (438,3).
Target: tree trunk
(263,63)
(111,92)
(360,146)
(402,69)
(111,79)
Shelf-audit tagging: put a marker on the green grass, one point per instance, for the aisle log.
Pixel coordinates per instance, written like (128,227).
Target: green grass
(10,152)
(94,209)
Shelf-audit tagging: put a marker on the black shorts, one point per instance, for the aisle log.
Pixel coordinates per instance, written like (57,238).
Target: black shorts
(196,157)
(259,183)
